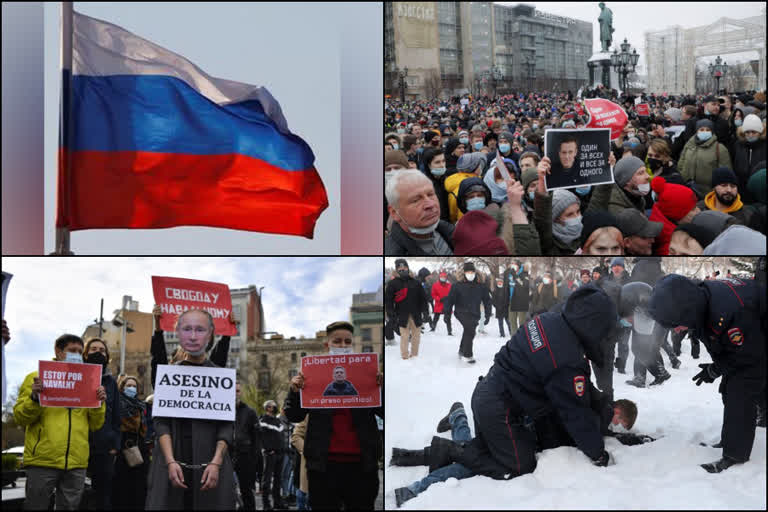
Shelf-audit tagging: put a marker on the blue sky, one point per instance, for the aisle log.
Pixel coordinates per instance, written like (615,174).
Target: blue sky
(50,296)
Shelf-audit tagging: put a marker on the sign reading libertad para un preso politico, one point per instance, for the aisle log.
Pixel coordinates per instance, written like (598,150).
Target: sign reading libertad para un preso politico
(201,392)
(340,381)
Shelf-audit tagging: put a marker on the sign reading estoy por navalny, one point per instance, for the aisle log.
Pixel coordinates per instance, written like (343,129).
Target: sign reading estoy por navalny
(201,392)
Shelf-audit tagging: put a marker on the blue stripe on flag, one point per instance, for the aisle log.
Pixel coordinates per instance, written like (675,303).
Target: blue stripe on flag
(163,114)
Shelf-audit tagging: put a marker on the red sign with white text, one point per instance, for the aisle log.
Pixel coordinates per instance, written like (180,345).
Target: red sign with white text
(175,295)
(606,114)
(642,109)
(69,384)
(340,381)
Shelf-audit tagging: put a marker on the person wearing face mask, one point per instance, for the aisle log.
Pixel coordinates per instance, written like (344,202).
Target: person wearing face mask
(566,224)
(701,155)
(631,187)
(529,180)
(105,442)
(544,295)
(406,301)
(464,139)
(473,195)
(676,204)
(660,163)
(340,444)
(56,448)
(465,297)
(394,141)
(719,124)
(439,291)
(470,165)
(749,149)
(129,487)
(476,140)
(501,305)
(433,160)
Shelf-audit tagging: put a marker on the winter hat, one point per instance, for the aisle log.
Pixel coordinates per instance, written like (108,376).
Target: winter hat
(704,123)
(618,260)
(585,271)
(624,169)
(594,220)
(468,185)
(569,124)
(400,262)
(443,273)
(475,234)
(469,266)
(701,234)
(529,174)
(561,200)
(395,157)
(674,201)
(463,132)
(723,175)
(630,143)
(468,162)
(674,114)
(451,144)
(429,135)
(752,122)
(708,99)
(756,185)
(714,220)
(508,136)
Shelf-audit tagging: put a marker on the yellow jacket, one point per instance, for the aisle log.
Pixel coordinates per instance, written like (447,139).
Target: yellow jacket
(55,437)
(452,183)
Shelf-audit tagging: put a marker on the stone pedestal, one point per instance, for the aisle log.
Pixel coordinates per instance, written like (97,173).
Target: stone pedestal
(601,72)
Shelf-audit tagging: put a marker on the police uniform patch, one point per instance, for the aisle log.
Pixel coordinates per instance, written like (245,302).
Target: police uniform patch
(736,336)
(578,385)
(534,337)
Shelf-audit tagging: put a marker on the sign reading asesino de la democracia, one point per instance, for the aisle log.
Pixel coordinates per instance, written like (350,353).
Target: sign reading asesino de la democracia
(340,381)
(175,295)
(202,392)
(69,384)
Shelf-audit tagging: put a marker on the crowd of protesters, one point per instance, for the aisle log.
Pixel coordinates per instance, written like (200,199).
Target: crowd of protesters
(689,178)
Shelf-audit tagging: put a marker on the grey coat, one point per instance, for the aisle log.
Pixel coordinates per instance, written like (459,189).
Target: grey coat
(161,495)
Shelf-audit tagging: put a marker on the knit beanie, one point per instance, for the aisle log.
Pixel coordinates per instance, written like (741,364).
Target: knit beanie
(704,123)
(625,169)
(756,185)
(674,114)
(529,175)
(468,162)
(395,157)
(507,135)
(469,267)
(752,122)
(594,220)
(674,201)
(562,199)
(618,260)
(701,234)
(723,175)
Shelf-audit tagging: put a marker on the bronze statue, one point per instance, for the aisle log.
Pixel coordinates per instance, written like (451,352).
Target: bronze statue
(606,26)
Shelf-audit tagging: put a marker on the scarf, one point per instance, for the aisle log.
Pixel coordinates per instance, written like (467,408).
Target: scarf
(129,407)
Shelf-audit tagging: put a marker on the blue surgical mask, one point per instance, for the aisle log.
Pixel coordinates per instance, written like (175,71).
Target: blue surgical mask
(130,391)
(530,195)
(395,146)
(475,203)
(420,150)
(401,130)
(464,140)
(752,139)
(73,357)
(504,148)
(738,122)
(337,351)
(704,136)
(535,126)
(478,145)
(625,323)
(437,172)
(582,191)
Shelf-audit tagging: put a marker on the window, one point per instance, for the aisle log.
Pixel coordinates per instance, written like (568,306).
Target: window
(263,380)
(294,372)
(293,357)
(264,361)
(366,333)
(367,348)
(303,354)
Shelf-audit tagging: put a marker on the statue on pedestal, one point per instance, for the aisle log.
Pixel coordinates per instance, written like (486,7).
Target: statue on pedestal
(606,26)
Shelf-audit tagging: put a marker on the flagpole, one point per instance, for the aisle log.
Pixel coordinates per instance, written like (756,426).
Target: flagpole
(65,127)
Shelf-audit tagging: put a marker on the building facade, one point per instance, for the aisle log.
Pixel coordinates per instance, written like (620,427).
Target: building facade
(454,48)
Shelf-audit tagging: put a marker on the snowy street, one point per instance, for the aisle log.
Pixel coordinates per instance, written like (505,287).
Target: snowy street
(664,474)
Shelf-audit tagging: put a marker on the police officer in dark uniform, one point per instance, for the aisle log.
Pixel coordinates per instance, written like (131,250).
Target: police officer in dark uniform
(247,445)
(543,368)
(465,298)
(728,317)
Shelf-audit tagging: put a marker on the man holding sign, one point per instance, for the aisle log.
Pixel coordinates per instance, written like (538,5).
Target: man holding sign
(56,446)
(341,441)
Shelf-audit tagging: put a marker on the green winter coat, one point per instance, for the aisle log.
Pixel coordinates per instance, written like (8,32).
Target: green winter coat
(55,437)
(699,159)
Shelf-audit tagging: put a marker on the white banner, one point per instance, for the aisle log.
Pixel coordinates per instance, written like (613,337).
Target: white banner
(202,392)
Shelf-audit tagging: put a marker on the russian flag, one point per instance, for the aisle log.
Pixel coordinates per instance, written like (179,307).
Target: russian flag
(157,143)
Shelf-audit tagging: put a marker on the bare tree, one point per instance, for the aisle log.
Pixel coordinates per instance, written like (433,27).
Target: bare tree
(433,85)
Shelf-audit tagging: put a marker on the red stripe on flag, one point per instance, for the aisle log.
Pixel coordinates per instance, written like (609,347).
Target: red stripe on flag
(143,190)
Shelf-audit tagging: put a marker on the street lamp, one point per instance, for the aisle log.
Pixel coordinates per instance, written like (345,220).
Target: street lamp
(624,63)
(530,63)
(401,74)
(718,70)
(497,75)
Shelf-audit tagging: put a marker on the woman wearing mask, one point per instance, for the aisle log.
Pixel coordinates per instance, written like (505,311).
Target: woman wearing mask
(433,160)
(660,161)
(130,482)
(559,233)
(749,149)
(701,155)
(105,442)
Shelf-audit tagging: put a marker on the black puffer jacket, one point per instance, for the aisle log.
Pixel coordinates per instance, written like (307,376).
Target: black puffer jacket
(247,430)
(271,433)
(319,430)
(466,296)
(404,297)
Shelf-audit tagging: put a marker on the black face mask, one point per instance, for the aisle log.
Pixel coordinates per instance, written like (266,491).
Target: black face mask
(655,163)
(97,358)
(403,273)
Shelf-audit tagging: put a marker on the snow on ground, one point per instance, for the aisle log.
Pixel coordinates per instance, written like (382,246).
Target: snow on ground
(664,474)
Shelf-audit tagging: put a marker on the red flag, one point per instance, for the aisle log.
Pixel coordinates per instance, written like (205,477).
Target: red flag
(606,114)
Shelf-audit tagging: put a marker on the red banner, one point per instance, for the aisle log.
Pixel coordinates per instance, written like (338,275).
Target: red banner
(642,109)
(579,110)
(606,114)
(69,384)
(340,381)
(175,295)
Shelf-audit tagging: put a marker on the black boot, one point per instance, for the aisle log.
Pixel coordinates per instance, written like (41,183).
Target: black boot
(637,382)
(403,494)
(660,379)
(266,504)
(620,365)
(442,452)
(444,425)
(675,363)
(720,465)
(401,457)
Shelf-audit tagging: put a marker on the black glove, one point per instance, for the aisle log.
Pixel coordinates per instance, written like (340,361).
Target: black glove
(602,460)
(709,372)
(629,439)
(488,319)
